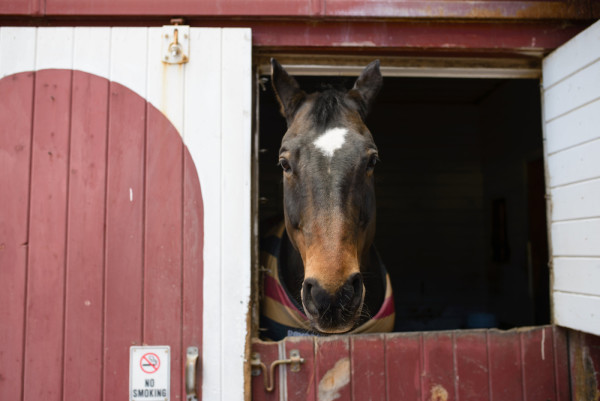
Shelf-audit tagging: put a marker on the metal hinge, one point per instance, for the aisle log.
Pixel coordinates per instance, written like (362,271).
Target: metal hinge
(175,42)
(295,360)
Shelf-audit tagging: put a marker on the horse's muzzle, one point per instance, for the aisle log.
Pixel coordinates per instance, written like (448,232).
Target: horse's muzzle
(333,313)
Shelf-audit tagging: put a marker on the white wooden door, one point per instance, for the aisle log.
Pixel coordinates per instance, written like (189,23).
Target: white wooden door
(571,116)
(208,102)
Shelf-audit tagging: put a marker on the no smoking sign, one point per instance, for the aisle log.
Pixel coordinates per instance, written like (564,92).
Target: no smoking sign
(150,373)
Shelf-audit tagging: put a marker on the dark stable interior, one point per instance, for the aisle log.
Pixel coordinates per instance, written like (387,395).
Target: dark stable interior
(461,215)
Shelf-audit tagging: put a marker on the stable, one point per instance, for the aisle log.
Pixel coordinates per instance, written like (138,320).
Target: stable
(138,169)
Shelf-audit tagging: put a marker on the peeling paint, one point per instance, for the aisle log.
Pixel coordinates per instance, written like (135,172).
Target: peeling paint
(584,372)
(543,341)
(334,380)
(439,393)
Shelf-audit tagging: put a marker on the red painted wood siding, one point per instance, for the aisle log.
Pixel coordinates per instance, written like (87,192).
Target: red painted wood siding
(518,365)
(101,237)
(498,9)
(350,26)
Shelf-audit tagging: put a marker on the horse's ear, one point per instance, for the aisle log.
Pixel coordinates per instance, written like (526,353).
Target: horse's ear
(367,86)
(287,90)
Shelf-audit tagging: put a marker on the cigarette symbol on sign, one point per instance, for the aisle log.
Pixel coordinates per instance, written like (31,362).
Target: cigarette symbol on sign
(150,362)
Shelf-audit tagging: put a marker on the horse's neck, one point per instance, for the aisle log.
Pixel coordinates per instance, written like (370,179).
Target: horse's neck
(292,275)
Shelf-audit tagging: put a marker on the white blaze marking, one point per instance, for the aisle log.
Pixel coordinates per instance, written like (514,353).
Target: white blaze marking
(331,140)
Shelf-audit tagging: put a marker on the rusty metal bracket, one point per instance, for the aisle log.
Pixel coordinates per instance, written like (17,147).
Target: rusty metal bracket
(175,42)
(295,360)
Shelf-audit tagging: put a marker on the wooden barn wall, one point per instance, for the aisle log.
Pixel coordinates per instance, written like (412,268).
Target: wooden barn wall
(571,90)
(499,9)
(102,241)
(92,232)
(518,365)
(522,27)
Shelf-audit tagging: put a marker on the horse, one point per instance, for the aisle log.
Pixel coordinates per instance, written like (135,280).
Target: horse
(325,270)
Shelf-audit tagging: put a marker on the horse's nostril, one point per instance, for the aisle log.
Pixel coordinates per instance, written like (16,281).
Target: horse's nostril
(357,283)
(308,297)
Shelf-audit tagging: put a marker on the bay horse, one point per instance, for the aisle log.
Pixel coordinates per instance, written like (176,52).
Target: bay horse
(326,264)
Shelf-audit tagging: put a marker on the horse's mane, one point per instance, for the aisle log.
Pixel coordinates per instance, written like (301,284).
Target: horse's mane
(327,105)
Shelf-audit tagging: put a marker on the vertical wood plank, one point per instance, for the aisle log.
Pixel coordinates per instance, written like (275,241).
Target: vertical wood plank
(202,136)
(403,366)
(538,364)
(506,379)
(85,256)
(21,41)
(124,235)
(438,366)
(125,204)
(47,235)
(301,385)
(368,367)
(472,373)
(333,369)
(561,363)
(193,262)
(236,104)
(268,352)
(163,243)
(16,114)
(166,82)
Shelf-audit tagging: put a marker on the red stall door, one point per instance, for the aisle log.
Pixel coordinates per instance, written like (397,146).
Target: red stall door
(101,235)
(104,230)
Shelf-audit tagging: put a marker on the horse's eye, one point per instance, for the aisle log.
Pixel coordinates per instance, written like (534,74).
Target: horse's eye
(285,164)
(372,162)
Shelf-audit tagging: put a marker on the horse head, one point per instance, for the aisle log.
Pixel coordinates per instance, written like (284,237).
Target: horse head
(328,156)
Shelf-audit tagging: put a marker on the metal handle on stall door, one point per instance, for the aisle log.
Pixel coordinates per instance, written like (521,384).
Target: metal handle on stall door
(191,361)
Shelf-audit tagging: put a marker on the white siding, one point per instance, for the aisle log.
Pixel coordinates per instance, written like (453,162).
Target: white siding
(571,97)
(209,101)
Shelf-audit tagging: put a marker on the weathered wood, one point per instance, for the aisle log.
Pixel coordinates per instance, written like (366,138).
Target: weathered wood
(537,347)
(331,8)
(561,363)
(332,368)
(472,365)
(506,378)
(302,385)
(47,236)
(367,357)
(268,353)
(403,366)
(124,234)
(438,381)
(84,295)
(522,364)
(16,111)
(162,295)
(193,261)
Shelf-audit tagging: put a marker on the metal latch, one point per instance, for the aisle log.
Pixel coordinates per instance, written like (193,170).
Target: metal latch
(175,42)
(295,360)
(191,362)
